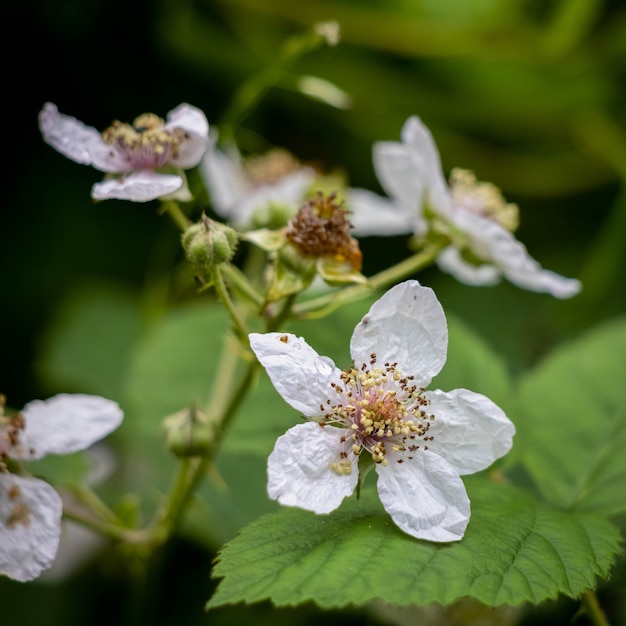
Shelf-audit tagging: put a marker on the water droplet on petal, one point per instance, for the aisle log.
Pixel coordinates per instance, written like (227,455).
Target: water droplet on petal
(325,365)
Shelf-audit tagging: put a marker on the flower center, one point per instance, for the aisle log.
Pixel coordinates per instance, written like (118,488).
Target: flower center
(321,229)
(482,199)
(382,410)
(146,144)
(10,428)
(269,168)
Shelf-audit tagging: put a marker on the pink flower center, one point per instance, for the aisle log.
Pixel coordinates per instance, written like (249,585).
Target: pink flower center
(147,144)
(381,409)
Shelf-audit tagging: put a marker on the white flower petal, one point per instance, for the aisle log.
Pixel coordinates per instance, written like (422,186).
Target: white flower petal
(419,139)
(299,469)
(398,169)
(289,192)
(371,214)
(508,256)
(225,180)
(425,497)
(73,139)
(65,423)
(30,526)
(525,272)
(406,326)
(450,260)
(194,122)
(137,187)
(469,430)
(299,374)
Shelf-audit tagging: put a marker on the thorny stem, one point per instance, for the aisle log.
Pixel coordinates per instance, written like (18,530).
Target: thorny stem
(318,307)
(593,608)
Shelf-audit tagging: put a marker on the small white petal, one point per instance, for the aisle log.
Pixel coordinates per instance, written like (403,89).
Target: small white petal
(299,374)
(73,139)
(452,262)
(528,274)
(225,180)
(371,214)
(299,468)
(469,430)
(65,423)
(30,526)
(419,139)
(289,191)
(501,250)
(137,187)
(193,121)
(406,326)
(425,497)
(399,171)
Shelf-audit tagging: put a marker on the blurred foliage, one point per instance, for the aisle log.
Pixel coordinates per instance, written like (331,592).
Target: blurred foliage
(527,93)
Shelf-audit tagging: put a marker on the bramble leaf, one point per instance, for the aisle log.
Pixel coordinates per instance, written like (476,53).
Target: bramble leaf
(572,422)
(515,550)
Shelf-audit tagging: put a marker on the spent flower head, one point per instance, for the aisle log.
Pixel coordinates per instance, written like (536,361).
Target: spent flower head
(143,160)
(316,241)
(420,441)
(30,509)
(472,216)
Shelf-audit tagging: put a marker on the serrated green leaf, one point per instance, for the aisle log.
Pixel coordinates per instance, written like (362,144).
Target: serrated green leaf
(572,422)
(472,364)
(515,550)
(88,345)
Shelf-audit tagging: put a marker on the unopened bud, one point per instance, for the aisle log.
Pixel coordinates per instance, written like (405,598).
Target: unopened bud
(209,243)
(188,433)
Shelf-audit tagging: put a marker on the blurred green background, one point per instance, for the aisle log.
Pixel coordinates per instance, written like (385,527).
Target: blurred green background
(527,93)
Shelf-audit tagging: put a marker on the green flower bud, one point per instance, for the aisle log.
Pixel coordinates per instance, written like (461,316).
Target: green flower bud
(209,243)
(188,433)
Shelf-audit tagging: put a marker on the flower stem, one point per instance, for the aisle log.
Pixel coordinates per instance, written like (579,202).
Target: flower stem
(593,608)
(240,282)
(222,293)
(252,91)
(318,307)
(175,212)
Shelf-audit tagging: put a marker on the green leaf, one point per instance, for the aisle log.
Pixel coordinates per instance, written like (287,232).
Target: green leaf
(515,550)
(572,422)
(176,363)
(472,364)
(88,345)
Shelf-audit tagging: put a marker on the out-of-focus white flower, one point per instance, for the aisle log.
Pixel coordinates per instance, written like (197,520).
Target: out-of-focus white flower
(472,215)
(145,160)
(30,509)
(264,190)
(421,441)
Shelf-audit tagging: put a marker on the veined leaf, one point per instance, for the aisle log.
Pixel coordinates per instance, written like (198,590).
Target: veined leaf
(572,422)
(515,550)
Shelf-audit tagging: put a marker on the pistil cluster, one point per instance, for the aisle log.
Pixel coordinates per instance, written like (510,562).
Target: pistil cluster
(271,167)
(382,410)
(146,144)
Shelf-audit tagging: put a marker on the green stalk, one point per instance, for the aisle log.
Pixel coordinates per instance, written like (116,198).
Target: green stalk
(317,307)
(175,212)
(593,608)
